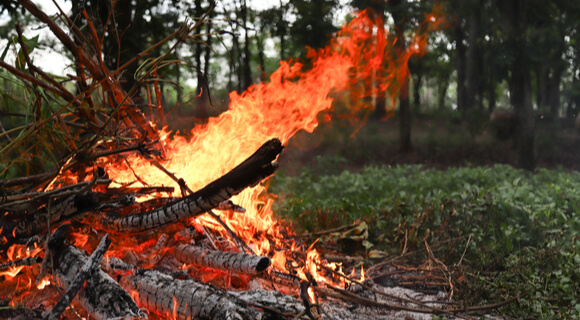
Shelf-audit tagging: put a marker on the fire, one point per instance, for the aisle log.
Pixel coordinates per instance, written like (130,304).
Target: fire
(291,101)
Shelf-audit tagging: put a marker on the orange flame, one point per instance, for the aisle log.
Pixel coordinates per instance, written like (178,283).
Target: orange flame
(291,101)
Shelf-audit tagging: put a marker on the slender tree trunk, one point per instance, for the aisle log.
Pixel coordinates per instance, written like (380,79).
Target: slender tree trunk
(520,84)
(381,98)
(442,87)
(200,104)
(472,61)
(554,94)
(417,83)
(460,67)
(247,70)
(404,105)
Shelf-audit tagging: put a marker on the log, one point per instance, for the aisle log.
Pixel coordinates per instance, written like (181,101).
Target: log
(101,296)
(186,299)
(257,167)
(271,300)
(229,261)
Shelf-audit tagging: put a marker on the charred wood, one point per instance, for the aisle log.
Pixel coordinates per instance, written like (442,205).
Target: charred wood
(101,296)
(228,261)
(54,212)
(28,261)
(271,300)
(249,173)
(88,269)
(186,299)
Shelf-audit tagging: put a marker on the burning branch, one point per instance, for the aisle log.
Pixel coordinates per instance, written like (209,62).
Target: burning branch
(253,170)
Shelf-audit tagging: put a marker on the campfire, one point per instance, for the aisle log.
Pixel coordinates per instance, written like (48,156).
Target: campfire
(140,222)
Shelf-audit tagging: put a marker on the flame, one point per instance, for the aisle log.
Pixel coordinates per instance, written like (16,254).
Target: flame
(16,252)
(361,54)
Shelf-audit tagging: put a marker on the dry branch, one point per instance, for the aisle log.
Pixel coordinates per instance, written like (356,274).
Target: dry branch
(102,296)
(186,299)
(228,261)
(250,172)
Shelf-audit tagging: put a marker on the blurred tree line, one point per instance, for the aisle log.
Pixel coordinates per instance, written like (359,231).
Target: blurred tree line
(517,54)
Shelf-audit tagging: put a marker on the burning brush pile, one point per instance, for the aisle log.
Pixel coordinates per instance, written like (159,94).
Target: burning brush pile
(139,222)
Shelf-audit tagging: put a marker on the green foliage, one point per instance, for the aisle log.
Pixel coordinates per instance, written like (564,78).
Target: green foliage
(523,226)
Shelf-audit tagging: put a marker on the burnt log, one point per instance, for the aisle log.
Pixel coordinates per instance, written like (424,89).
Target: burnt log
(186,299)
(254,169)
(87,270)
(229,261)
(101,296)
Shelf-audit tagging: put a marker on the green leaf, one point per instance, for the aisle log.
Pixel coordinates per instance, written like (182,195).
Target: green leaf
(30,45)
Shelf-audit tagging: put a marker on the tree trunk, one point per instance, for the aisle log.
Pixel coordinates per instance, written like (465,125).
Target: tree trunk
(442,87)
(471,72)
(404,105)
(380,102)
(246,67)
(460,67)
(520,83)
(417,83)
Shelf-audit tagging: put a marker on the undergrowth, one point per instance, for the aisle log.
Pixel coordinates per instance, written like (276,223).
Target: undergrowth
(522,228)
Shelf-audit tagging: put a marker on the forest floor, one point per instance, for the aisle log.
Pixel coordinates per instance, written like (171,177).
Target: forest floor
(437,143)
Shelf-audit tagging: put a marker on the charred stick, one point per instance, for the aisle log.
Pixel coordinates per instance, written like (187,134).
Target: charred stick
(228,261)
(88,269)
(249,173)
(102,296)
(28,261)
(186,299)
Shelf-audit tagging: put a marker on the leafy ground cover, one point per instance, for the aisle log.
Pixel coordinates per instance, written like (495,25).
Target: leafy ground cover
(521,229)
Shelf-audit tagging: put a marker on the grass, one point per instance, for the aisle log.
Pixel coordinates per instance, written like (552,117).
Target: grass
(523,226)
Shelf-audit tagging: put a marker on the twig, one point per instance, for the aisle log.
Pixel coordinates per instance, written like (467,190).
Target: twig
(464,250)
(328,231)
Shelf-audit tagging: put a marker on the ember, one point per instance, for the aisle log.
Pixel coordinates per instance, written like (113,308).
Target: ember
(164,251)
